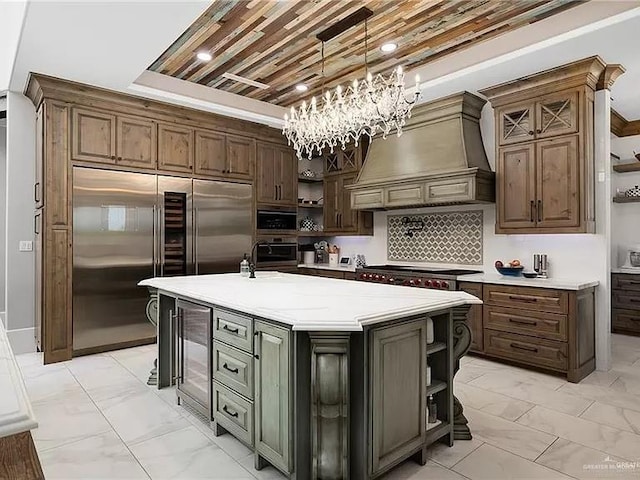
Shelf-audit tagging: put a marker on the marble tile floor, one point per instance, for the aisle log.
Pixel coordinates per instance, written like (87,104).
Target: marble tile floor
(99,420)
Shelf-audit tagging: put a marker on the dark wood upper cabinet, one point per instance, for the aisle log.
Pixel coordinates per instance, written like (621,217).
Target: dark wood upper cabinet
(343,161)
(339,217)
(241,155)
(93,136)
(137,142)
(277,175)
(175,148)
(516,186)
(515,123)
(557,114)
(288,181)
(211,153)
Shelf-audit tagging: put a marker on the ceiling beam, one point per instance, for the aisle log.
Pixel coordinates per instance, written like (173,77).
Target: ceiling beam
(621,127)
(345,24)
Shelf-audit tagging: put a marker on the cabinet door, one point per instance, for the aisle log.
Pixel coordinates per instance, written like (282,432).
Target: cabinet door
(241,153)
(267,161)
(350,159)
(557,114)
(175,148)
(37,250)
(93,136)
(38,190)
(332,200)
(272,388)
(211,153)
(474,317)
(332,162)
(516,183)
(136,142)
(398,391)
(288,181)
(515,123)
(558,185)
(348,218)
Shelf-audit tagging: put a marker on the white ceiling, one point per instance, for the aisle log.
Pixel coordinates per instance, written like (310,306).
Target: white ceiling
(110,44)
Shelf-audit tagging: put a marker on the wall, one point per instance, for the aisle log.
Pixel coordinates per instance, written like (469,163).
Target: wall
(20,286)
(3,166)
(625,220)
(570,256)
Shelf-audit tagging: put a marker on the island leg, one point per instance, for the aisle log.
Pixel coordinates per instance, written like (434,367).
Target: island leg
(461,345)
(329,405)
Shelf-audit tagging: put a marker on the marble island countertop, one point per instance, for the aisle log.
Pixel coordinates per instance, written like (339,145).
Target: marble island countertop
(552,282)
(16,414)
(308,302)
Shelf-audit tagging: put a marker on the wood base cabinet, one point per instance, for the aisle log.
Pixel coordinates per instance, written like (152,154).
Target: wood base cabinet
(625,303)
(544,149)
(540,327)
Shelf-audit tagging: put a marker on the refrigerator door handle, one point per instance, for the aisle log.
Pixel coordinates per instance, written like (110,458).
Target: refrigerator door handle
(162,239)
(195,239)
(154,240)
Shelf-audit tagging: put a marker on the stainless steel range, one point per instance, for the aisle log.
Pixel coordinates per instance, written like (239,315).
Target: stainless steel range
(422,277)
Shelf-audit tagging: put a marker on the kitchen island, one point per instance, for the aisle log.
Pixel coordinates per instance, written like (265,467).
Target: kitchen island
(323,378)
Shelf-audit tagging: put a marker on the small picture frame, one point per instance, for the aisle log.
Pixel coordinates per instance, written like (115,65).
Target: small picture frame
(344,261)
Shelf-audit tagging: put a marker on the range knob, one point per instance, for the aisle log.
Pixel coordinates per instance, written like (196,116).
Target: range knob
(436,284)
(392,280)
(376,277)
(427,283)
(363,276)
(445,285)
(406,282)
(383,278)
(418,282)
(412,282)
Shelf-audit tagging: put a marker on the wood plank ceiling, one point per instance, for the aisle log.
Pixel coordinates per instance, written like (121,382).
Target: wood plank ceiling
(274,42)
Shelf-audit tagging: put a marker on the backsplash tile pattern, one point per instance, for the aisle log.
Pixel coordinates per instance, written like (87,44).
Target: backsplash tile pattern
(445,237)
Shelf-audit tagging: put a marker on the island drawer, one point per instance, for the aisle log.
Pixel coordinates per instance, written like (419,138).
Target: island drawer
(627,321)
(233,412)
(530,298)
(233,329)
(527,322)
(530,350)
(626,282)
(625,299)
(233,368)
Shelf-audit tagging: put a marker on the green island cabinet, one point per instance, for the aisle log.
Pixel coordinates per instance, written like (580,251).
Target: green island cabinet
(316,405)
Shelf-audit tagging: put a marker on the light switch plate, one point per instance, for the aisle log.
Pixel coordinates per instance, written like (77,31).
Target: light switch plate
(26,246)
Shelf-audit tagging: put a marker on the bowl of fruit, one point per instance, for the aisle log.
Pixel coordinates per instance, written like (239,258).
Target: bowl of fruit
(511,269)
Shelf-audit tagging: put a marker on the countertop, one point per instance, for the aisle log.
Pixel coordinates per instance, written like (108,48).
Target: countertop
(627,271)
(326,266)
(16,414)
(309,302)
(552,282)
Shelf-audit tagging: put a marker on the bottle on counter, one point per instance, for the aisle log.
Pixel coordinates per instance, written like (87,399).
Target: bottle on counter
(244,266)
(432,408)
(430,335)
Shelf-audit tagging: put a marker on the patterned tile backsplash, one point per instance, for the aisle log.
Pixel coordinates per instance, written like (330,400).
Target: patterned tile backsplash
(446,237)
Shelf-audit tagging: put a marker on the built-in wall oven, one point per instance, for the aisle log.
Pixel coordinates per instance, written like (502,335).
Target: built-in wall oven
(277,251)
(276,220)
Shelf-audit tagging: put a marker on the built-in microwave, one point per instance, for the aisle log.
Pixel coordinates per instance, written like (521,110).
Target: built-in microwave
(277,250)
(276,220)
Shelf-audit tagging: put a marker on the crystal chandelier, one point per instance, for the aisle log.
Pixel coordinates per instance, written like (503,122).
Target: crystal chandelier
(374,105)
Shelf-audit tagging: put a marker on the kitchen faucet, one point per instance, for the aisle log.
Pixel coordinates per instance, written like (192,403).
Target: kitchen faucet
(252,264)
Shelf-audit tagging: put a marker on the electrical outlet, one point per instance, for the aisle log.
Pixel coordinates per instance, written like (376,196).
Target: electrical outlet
(26,246)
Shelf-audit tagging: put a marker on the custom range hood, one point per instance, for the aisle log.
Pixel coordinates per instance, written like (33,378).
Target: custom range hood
(438,160)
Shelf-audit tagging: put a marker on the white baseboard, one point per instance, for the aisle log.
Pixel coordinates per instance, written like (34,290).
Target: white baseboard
(22,340)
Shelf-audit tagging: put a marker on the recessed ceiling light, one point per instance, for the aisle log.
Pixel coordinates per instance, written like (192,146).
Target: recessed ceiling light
(204,56)
(388,47)
(301,87)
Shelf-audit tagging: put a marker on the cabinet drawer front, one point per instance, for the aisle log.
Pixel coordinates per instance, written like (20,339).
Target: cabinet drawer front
(545,325)
(540,299)
(626,299)
(530,350)
(233,329)
(233,412)
(627,320)
(233,369)
(626,282)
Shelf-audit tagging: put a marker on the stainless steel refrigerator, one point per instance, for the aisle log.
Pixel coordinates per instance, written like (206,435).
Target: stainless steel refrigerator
(131,226)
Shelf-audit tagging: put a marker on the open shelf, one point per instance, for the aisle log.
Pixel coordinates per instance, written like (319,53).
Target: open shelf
(626,199)
(309,179)
(436,347)
(437,431)
(436,386)
(627,167)
(310,205)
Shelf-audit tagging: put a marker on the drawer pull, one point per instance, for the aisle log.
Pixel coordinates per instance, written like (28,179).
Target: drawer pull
(630,282)
(523,322)
(522,299)
(232,370)
(230,330)
(524,347)
(228,412)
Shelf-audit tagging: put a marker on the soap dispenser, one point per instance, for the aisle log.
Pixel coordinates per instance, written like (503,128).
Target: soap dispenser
(244,266)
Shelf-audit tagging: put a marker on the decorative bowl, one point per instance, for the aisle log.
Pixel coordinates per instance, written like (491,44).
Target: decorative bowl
(510,271)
